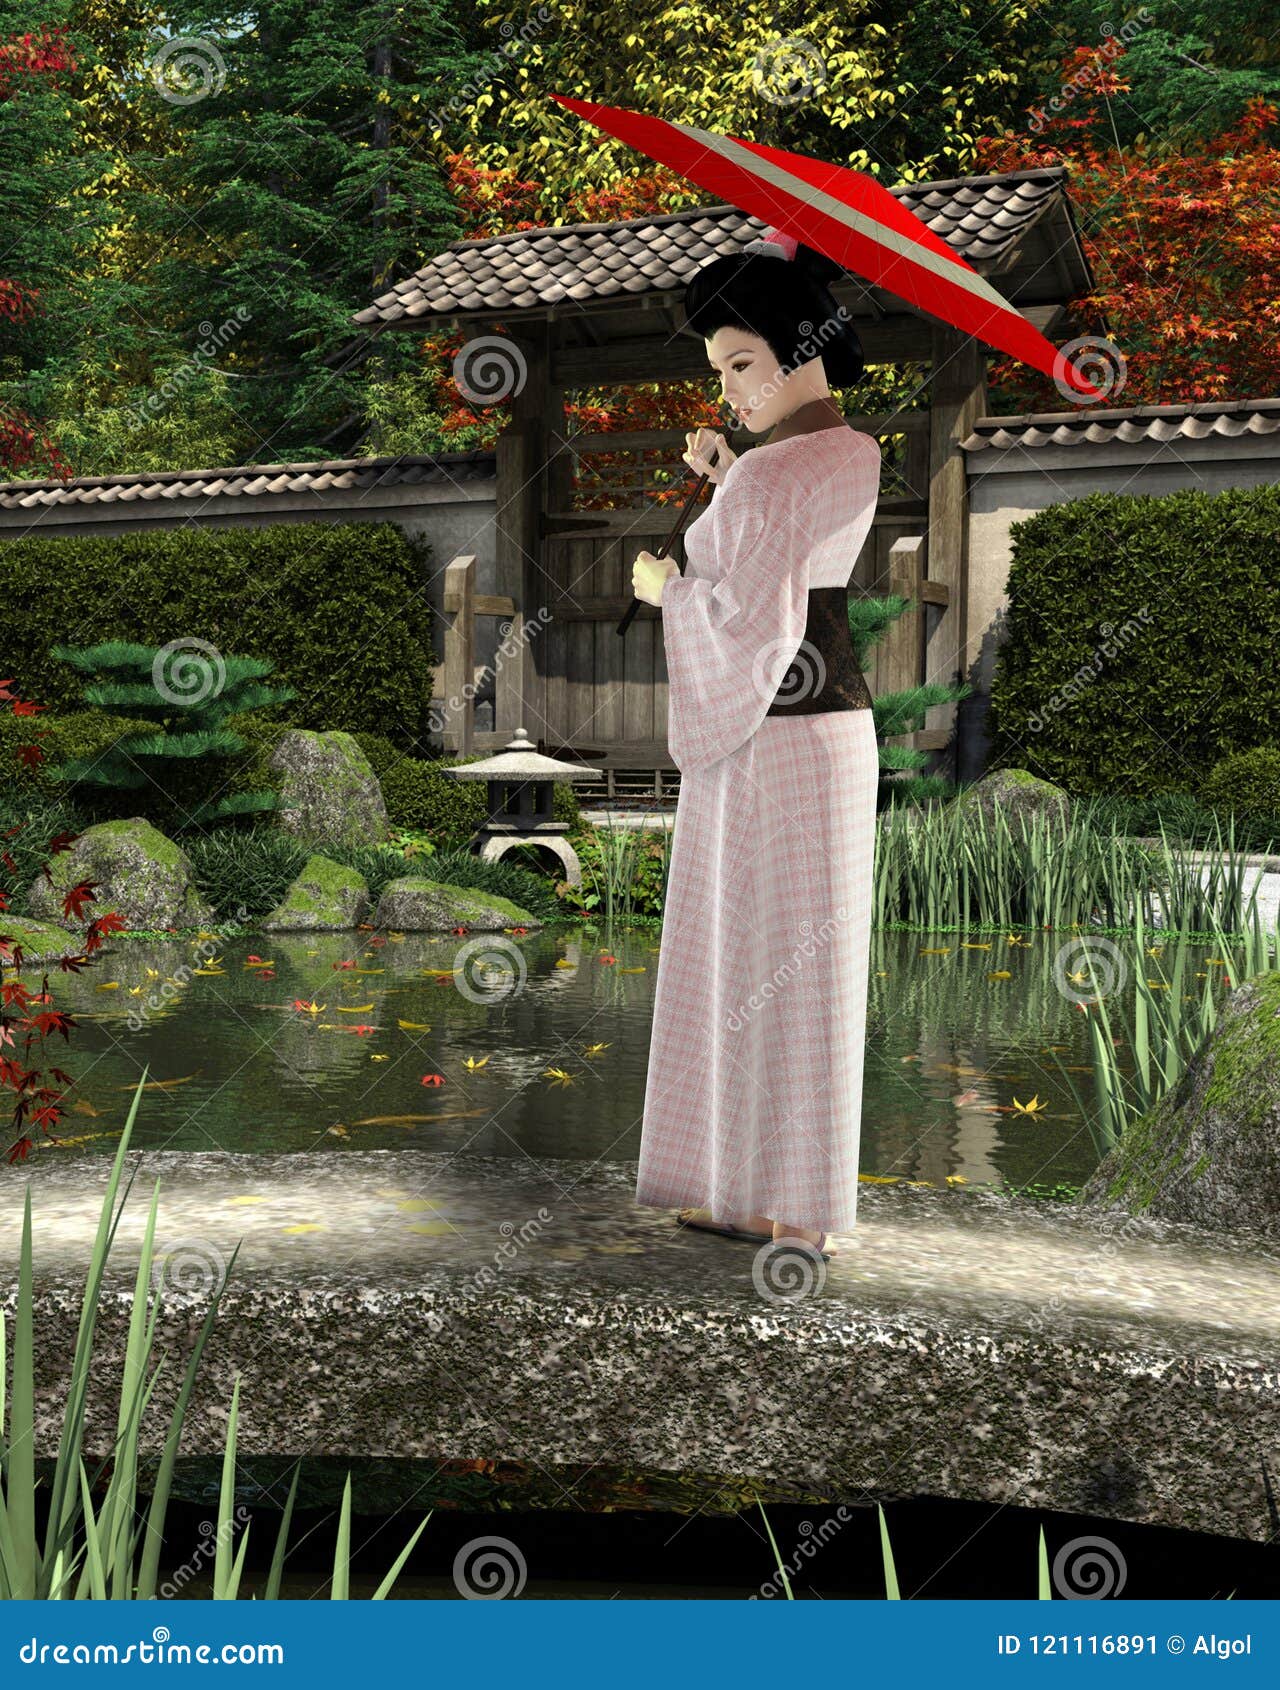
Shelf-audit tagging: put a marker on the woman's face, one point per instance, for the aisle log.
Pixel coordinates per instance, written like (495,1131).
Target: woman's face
(750,380)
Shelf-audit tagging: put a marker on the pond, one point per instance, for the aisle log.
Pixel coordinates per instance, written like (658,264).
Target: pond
(537,1045)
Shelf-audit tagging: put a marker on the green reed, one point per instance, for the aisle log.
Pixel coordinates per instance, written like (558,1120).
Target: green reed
(28,1571)
(944,867)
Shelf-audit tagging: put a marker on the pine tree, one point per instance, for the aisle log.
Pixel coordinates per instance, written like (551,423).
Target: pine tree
(188,690)
(901,712)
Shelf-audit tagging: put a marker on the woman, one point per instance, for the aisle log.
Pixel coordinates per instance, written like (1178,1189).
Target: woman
(754,1091)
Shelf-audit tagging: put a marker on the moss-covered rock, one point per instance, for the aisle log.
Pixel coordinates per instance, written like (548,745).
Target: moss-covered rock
(1209,1151)
(39,941)
(414,904)
(1016,792)
(326,897)
(329,794)
(138,871)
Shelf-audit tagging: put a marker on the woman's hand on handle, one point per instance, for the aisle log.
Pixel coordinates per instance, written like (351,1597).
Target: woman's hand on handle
(649,575)
(702,445)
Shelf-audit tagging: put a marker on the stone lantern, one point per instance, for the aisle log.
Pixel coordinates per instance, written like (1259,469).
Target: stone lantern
(520,781)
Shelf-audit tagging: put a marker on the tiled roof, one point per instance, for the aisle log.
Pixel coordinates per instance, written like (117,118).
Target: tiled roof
(980,217)
(1227,419)
(357,475)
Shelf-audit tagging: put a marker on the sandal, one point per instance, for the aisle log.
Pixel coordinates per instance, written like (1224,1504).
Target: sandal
(725,1228)
(800,1244)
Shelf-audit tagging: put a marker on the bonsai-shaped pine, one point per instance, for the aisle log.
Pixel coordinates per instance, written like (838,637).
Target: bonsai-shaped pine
(188,690)
(901,712)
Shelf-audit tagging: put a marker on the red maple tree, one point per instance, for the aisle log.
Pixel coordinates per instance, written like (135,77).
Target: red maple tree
(37,1101)
(1185,246)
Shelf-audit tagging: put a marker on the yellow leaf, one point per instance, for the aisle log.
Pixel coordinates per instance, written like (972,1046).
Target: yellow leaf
(304,1226)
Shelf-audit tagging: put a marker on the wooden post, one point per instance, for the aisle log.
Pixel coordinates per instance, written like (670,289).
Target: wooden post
(458,731)
(521,500)
(958,397)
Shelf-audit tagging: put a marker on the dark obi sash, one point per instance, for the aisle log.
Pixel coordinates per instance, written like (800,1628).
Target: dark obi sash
(824,674)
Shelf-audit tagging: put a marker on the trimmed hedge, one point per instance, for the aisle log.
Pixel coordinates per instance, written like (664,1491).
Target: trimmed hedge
(340,608)
(1143,639)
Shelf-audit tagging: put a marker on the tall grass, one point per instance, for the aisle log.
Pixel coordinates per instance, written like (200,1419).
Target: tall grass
(110,1540)
(947,867)
(1163,1032)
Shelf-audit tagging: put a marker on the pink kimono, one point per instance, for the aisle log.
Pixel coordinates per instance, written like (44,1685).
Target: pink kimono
(753,1101)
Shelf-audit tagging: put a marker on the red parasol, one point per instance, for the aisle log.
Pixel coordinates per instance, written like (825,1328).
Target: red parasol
(847,215)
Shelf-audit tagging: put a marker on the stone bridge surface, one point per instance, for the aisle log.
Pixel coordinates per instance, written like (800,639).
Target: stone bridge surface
(416,1304)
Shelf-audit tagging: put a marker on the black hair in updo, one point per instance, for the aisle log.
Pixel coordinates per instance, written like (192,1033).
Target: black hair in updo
(787,302)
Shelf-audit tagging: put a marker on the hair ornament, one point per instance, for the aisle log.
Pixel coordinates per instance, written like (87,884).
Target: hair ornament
(773,244)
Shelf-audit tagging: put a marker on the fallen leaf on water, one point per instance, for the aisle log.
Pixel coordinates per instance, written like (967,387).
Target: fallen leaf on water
(432,1229)
(370,971)
(106,986)
(999,974)
(973,945)
(563,962)
(881,1179)
(594,1050)
(378,1056)
(1032,1108)
(640,970)
(304,1226)
(412,1204)
(414,1026)
(473,1062)
(937,950)
(248,1198)
(557,1076)
(354,1008)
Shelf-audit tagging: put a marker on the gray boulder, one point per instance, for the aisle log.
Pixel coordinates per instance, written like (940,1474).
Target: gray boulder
(326,897)
(414,904)
(329,794)
(1209,1151)
(1016,792)
(139,872)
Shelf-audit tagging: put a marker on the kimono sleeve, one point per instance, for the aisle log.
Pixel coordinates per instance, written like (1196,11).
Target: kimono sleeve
(729,641)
